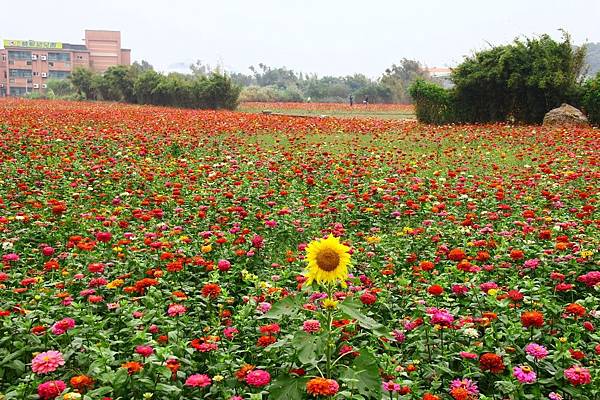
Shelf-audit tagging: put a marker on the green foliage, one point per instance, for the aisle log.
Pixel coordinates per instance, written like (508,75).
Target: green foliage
(145,85)
(398,79)
(363,376)
(433,104)
(60,88)
(271,94)
(287,387)
(81,78)
(590,99)
(282,84)
(119,81)
(520,81)
(216,91)
(141,84)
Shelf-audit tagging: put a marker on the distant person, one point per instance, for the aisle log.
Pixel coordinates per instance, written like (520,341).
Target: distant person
(308,100)
(366,100)
(351,101)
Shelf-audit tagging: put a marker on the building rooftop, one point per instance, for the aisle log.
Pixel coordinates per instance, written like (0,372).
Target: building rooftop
(78,47)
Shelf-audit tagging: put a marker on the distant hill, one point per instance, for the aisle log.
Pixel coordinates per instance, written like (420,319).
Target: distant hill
(593,58)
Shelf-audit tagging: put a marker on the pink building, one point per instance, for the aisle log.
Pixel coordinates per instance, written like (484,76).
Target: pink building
(26,65)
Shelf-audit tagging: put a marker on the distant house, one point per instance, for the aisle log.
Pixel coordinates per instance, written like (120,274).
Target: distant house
(442,75)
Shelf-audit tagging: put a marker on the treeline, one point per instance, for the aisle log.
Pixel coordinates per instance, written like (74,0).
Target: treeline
(139,83)
(265,83)
(517,82)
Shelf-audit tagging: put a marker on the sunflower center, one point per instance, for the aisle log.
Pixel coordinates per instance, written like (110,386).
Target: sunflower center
(328,260)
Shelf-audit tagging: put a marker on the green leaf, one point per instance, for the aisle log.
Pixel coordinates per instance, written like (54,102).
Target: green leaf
(286,387)
(120,377)
(307,352)
(287,306)
(101,391)
(352,309)
(363,375)
(169,389)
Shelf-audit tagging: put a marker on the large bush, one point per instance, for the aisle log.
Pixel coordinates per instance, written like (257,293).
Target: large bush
(271,94)
(590,99)
(433,104)
(140,84)
(520,81)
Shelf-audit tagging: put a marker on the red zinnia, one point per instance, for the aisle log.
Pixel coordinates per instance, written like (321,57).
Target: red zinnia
(435,290)
(211,290)
(456,255)
(532,318)
(491,362)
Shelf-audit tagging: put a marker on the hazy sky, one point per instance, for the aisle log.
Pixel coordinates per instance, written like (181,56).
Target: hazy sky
(334,37)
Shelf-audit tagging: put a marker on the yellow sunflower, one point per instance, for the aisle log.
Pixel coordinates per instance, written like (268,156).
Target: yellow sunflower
(328,261)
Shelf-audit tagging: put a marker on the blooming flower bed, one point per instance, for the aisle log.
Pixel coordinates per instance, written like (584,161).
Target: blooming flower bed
(158,253)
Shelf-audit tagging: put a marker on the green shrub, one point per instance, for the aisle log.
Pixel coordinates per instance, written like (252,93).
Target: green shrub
(590,99)
(433,103)
(271,94)
(521,81)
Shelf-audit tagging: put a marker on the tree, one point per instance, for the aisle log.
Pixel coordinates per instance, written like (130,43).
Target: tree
(60,87)
(521,80)
(145,85)
(120,82)
(81,78)
(399,77)
(591,99)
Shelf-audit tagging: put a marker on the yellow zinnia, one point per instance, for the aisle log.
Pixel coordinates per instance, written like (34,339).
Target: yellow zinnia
(328,261)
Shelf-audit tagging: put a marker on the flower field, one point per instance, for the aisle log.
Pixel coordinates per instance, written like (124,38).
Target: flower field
(175,254)
(339,110)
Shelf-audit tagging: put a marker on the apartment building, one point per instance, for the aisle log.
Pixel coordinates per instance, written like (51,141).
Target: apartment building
(26,65)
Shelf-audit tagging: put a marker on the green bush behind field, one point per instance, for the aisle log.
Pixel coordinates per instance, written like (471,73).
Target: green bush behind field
(518,82)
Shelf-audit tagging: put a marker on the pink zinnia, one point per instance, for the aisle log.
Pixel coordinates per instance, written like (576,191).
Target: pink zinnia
(536,351)
(230,332)
(391,386)
(198,380)
(578,375)
(176,309)
(103,237)
(470,356)
(524,374)
(467,384)
(311,326)
(258,377)
(11,257)
(224,265)
(144,351)
(51,389)
(63,325)
(442,317)
(47,362)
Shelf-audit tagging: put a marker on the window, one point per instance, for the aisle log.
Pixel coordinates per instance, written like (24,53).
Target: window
(28,62)
(59,57)
(20,73)
(17,91)
(58,74)
(51,64)
(19,55)
(35,73)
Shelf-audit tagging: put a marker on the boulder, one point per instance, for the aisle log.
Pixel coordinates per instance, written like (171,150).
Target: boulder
(565,115)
